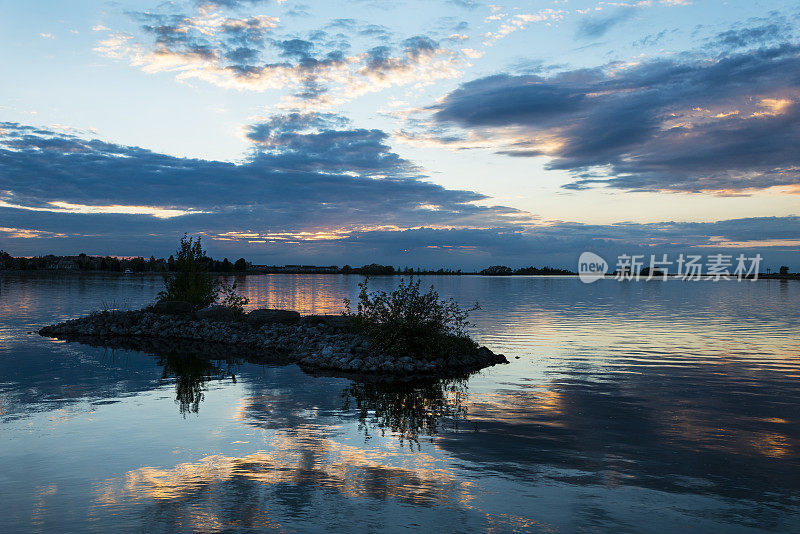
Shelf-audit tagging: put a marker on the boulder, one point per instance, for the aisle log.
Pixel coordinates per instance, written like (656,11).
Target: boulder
(216,312)
(172,307)
(335,321)
(266,315)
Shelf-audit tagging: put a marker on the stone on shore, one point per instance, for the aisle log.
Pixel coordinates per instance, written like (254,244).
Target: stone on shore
(215,312)
(172,307)
(334,321)
(267,316)
(314,342)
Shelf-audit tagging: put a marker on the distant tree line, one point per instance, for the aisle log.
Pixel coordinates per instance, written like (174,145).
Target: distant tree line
(502,270)
(84,262)
(376,269)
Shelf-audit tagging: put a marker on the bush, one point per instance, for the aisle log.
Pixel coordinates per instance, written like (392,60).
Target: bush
(409,322)
(231,299)
(191,281)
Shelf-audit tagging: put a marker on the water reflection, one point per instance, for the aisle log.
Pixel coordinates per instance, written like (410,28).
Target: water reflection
(305,474)
(631,407)
(407,409)
(190,363)
(191,373)
(705,429)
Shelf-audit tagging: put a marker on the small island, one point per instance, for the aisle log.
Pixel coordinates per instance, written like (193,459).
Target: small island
(405,333)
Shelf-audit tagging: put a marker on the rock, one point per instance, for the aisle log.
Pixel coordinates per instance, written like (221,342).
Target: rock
(333,321)
(266,315)
(172,307)
(215,312)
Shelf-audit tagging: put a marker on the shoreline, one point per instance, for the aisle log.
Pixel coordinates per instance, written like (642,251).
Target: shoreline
(642,278)
(317,343)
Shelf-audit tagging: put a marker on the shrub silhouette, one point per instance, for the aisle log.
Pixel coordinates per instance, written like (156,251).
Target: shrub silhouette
(407,322)
(191,281)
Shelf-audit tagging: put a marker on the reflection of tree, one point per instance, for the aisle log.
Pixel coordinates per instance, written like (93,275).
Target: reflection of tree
(192,363)
(408,408)
(191,374)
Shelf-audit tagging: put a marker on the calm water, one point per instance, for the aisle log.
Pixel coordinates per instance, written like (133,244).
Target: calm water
(627,407)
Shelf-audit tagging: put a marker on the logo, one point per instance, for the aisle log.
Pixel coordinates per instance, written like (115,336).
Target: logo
(591,267)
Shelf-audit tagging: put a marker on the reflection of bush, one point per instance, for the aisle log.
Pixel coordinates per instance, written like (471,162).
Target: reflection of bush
(408,408)
(191,374)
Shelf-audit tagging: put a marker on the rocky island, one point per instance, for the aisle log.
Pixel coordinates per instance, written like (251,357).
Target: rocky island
(405,333)
(314,342)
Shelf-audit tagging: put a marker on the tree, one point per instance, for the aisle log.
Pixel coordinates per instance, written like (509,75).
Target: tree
(376,269)
(497,270)
(191,281)
(784,269)
(240,265)
(6,261)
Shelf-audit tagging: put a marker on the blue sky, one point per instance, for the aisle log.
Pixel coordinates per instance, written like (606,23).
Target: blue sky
(456,133)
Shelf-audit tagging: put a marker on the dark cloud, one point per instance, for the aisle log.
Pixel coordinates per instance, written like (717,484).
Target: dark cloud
(755,32)
(419,45)
(295,48)
(313,141)
(237,43)
(309,173)
(591,27)
(686,123)
(242,55)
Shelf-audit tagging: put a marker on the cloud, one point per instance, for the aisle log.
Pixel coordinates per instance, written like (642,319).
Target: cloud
(755,32)
(308,175)
(521,21)
(727,125)
(317,142)
(313,190)
(593,27)
(467,4)
(249,53)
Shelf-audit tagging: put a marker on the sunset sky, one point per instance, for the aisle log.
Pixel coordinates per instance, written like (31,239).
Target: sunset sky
(425,133)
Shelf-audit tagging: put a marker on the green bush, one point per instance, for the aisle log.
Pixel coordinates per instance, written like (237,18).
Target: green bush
(191,281)
(407,322)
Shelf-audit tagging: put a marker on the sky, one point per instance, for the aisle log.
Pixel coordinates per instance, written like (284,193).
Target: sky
(455,133)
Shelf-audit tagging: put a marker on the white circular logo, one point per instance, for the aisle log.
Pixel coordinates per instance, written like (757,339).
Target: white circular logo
(591,267)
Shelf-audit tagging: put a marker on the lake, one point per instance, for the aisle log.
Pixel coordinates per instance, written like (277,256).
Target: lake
(626,407)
